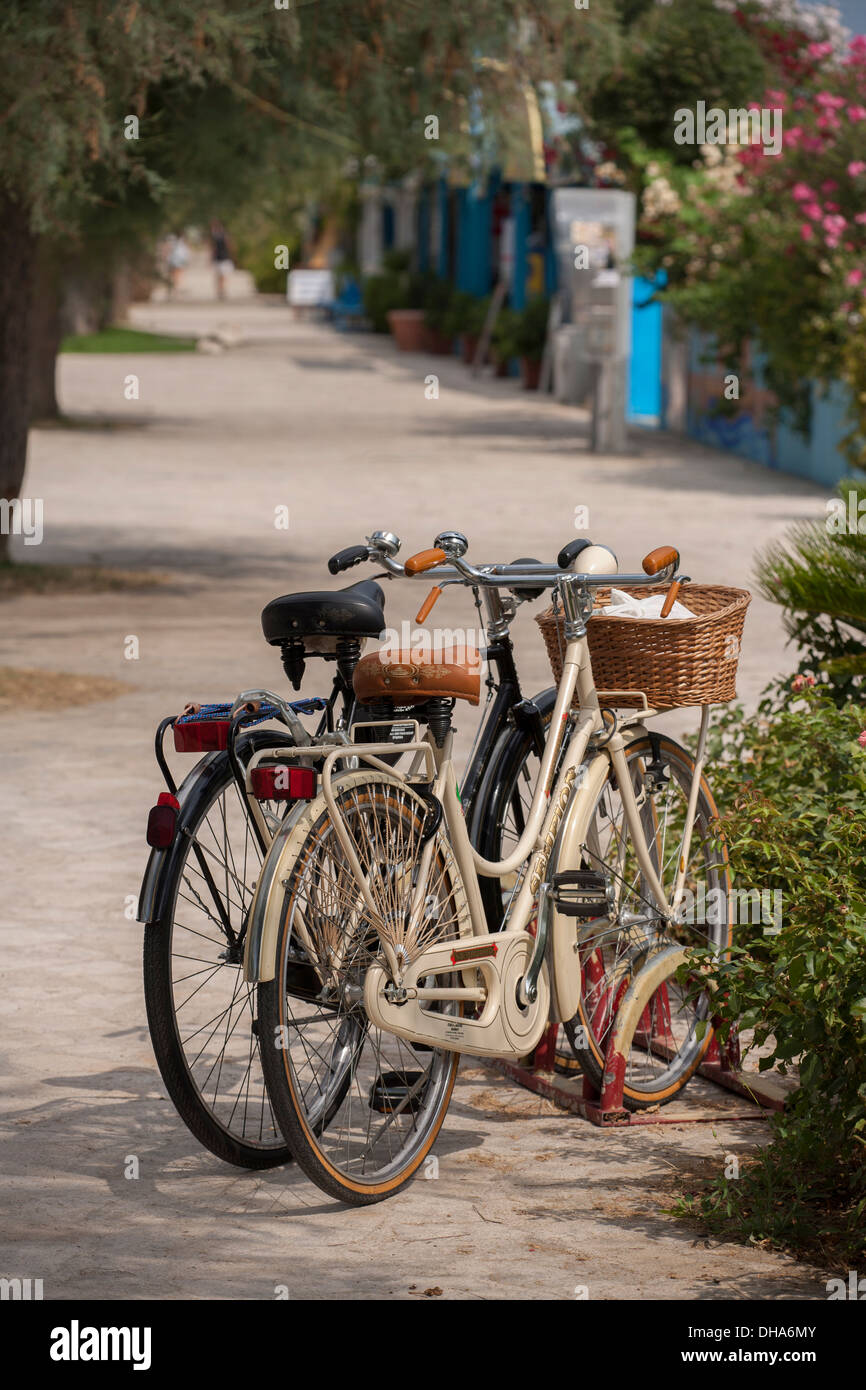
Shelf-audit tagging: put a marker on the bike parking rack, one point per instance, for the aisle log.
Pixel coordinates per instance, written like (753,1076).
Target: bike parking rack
(605,1109)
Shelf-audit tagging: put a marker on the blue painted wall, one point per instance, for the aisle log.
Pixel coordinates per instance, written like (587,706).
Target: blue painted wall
(818,457)
(520,211)
(442,268)
(474,209)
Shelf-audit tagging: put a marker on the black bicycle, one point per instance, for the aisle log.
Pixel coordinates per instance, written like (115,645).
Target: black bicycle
(208,839)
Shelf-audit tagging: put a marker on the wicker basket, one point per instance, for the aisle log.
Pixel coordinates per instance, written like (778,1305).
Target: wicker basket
(674,661)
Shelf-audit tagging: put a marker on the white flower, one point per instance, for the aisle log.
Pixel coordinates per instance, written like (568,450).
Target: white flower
(609,172)
(660,199)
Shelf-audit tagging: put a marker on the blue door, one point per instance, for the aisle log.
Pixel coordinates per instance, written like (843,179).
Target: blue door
(645,367)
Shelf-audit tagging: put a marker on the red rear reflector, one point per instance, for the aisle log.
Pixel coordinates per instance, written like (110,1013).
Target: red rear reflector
(202,736)
(279,782)
(162,821)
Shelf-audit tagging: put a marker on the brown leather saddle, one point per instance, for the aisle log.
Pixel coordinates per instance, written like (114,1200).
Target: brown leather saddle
(409,678)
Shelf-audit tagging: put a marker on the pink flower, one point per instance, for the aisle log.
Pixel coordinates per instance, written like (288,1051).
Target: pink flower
(802,192)
(831,207)
(812,210)
(857,113)
(793,135)
(857,46)
(813,143)
(828,101)
(821,50)
(835,224)
(774,98)
(800,682)
(806,231)
(827,122)
(853,277)
(861,739)
(857,166)
(861,218)
(829,185)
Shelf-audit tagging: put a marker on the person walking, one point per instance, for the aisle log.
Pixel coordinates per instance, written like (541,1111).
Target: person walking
(221,256)
(178,259)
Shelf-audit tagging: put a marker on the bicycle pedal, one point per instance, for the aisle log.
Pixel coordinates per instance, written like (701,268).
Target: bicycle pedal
(580,893)
(391,1088)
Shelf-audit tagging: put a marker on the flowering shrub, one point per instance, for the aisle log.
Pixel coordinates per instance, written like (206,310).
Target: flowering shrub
(791,781)
(773,248)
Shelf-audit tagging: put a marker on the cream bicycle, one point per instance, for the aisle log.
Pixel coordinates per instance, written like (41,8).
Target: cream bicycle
(368,938)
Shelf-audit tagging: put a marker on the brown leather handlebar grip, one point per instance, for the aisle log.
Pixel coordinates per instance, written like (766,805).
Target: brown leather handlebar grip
(424,560)
(670,598)
(428,603)
(660,558)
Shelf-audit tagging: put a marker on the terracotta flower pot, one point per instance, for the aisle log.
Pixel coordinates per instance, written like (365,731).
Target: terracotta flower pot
(530,371)
(407,329)
(468,346)
(436,342)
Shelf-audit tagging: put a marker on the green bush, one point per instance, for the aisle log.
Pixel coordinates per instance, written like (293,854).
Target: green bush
(819,577)
(381,294)
(257,256)
(438,302)
(503,343)
(531,329)
(792,784)
(676,55)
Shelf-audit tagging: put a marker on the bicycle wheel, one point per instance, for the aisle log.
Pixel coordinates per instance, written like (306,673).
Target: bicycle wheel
(666,1049)
(360,1107)
(200,1011)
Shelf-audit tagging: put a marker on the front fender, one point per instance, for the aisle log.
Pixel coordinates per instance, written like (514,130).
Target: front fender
(269,900)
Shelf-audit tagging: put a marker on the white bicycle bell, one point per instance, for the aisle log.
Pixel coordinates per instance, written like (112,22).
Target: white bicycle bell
(596,559)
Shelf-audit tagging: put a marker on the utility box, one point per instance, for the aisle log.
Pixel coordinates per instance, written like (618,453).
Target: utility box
(594,241)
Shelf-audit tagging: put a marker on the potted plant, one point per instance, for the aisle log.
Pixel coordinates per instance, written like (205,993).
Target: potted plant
(468,322)
(388,302)
(503,343)
(438,316)
(530,335)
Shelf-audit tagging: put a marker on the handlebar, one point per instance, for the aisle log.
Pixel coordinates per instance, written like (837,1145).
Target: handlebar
(660,567)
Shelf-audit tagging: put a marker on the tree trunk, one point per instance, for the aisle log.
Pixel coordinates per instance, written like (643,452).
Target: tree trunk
(45,335)
(17,258)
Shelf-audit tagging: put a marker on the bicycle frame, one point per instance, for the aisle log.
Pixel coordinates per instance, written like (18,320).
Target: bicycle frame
(562,799)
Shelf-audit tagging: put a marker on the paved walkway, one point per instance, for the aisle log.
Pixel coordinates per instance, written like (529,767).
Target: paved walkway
(187,478)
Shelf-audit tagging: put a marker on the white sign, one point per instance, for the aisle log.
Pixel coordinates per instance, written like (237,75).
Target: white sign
(310,288)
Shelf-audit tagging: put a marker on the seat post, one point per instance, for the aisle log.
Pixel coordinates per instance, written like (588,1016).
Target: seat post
(348,656)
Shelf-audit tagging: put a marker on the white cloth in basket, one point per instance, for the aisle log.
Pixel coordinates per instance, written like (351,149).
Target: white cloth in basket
(623,605)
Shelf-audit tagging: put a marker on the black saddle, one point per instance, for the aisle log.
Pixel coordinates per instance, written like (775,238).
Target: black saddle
(357,611)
